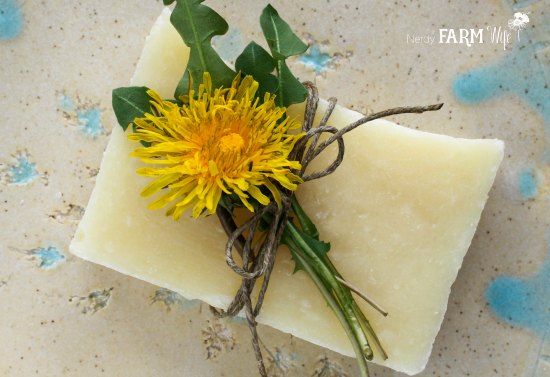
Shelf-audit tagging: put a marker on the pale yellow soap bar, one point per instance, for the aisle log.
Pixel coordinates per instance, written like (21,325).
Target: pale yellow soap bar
(403,209)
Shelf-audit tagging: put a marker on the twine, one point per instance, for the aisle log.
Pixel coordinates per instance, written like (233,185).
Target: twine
(258,260)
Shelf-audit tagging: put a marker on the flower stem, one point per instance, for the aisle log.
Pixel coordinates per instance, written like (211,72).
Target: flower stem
(362,319)
(342,292)
(333,302)
(339,291)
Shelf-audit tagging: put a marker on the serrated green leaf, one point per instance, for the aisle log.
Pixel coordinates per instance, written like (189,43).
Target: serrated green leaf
(286,240)
(283,43)
(130,103)
(255,58)
(281,39)
(290,90)
(257,62)
(320,248)
(197,24)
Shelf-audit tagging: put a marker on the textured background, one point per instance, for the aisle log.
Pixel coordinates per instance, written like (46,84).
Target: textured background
(59,61)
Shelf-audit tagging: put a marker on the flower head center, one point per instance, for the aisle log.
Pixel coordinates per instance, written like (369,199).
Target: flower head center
(231,143)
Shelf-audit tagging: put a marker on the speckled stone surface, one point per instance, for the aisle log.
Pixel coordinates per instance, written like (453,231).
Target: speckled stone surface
(59,61)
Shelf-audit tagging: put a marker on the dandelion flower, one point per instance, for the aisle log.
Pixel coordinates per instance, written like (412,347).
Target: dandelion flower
(221,140)
(519,22)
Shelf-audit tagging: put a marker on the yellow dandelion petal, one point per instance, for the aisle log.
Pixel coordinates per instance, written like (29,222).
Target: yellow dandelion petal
(222,187)
(177,210)
(258,195)
(213,168)
(219,141)
(185,182)
(155,97)
(166,198)
(153,172)
(188,199)
(198,208)
(276,194)
(213,197)
(244,199)
(159,183)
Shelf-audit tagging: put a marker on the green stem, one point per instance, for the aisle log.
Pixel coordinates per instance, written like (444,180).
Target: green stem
(334,305)
(364,321)
(309,228)
(328,277)
(370,331)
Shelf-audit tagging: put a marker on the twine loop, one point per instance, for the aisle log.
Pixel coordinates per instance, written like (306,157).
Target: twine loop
(257,249)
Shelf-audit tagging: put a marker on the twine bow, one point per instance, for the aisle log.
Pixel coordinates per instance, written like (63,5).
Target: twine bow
(258,258)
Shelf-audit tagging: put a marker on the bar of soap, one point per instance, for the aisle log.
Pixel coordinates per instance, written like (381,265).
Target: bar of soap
(400,214)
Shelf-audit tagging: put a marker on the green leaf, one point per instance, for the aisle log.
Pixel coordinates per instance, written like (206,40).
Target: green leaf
(254,59)
(130,103)
(168,2)
(290,90)
(298,265)
(305,222)
(320,248)
(257,62)
(281,39)
(197,24)
(283,43)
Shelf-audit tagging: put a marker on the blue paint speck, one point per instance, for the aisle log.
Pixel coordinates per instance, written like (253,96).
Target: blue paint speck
(48,257)
(23,171)
(87,117)
(523,302)
(316,59)
(171,299)
(67,104)
(527,183)
(11,19)
(90,120)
